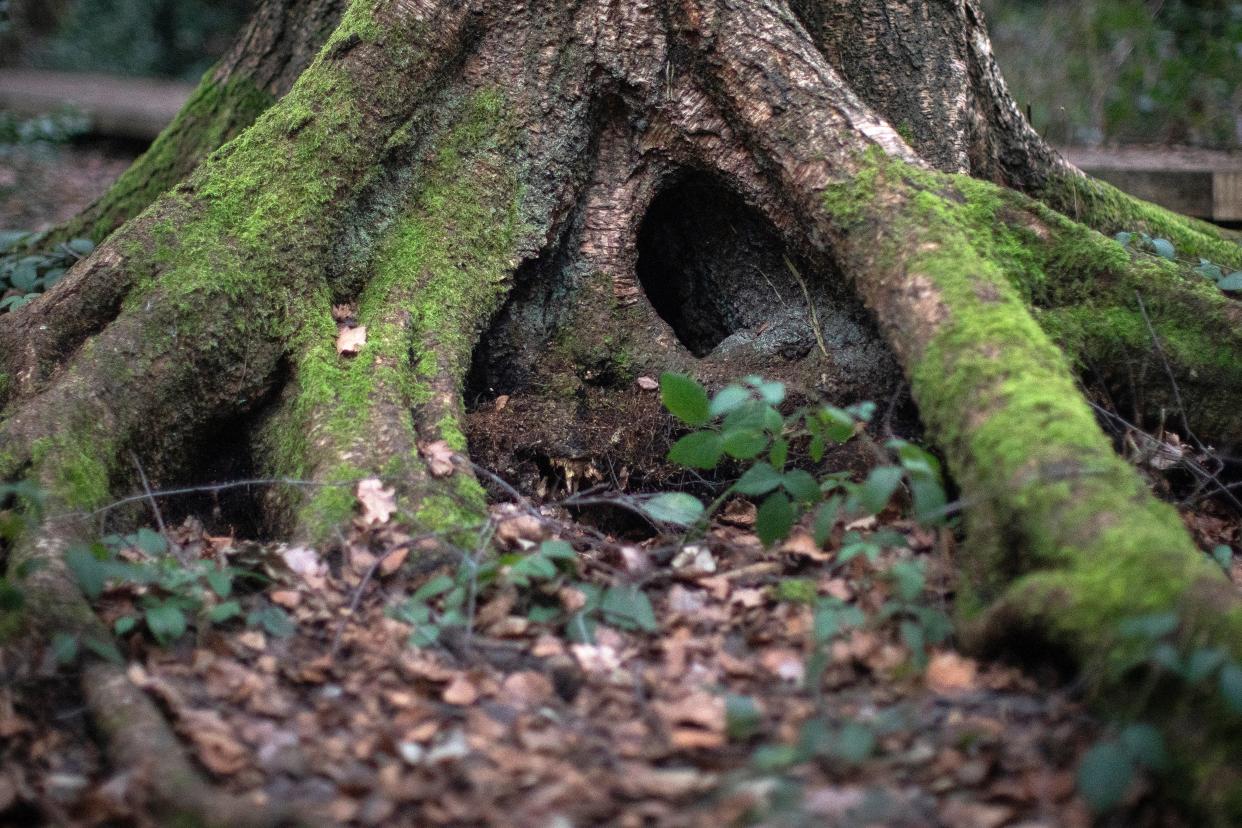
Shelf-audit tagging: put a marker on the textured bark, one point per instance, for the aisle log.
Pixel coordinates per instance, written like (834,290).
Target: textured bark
(546,200)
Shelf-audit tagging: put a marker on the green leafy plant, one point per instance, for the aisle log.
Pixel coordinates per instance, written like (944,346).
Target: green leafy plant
(743,422)
(172,595)
(25,276)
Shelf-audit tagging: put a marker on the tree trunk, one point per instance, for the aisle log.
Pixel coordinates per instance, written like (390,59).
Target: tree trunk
(532,199)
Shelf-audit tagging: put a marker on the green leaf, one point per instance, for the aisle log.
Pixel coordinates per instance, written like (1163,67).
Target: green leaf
(1151,626)
(53,276)
(779,453)
(558,550)
(103,649)
(24,276)
(1164,248)
(744,444)
(1231,686)
(1145,746)
(825,519)
(628,607)
(743,719)
(801,485)
(774,519)
(223,612)
(685,399)
(839,426)
(1223,555)
(272,619)
(9,239)
(1123,238)
(1232,282)
(912,635)
(88,569)
(796,590)
(166,622)
(1105,775)
(854,743)
(125,625)
(531,568)
(220,581)
(759,479)
(877,490)
(700,450)
(1202,663)
(64,648)
(677,508)
(929,500)
(436,586)
(729,399)
(151,542)
(1209,271)
(909,579)
(772,393)
(82,247)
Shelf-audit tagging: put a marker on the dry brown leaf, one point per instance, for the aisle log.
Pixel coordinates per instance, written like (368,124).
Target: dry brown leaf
(461,691)
(287,598)
(350,341)
(949,672)
(439,457)
(217,748)
(527,689)
(378,503)
(648,383)
(784,664)
(802,545)
(520,530)
(393,561)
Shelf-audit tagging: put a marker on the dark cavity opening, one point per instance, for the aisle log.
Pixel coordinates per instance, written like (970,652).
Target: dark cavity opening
(711,265)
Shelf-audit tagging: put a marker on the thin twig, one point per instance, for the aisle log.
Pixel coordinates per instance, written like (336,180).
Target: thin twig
(173,546)
(1168,370)
(819,334)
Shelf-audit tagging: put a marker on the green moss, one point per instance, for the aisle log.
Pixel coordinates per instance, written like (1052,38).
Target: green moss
(439,273)
(1107,209)
(74,467)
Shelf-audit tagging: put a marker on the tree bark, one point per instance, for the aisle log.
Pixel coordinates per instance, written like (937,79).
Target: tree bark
(471,178)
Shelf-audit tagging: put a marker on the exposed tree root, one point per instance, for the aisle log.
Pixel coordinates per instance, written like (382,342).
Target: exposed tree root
(439,158)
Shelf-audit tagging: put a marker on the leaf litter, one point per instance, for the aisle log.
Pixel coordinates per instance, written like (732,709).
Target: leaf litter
(694,720)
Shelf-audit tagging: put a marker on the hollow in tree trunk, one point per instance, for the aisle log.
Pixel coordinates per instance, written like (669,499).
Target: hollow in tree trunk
(547,199)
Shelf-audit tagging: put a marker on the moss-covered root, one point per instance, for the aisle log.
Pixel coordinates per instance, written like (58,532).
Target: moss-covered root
(1103,207)
(1060,530)
(138,737)
(440,270)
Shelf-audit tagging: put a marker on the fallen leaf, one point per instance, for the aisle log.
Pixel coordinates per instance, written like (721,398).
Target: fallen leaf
(461,691)
(511,532)
(439,457)
(501,402)
(647,383)
(378,503)
(949,673)
(287,598)
(802,545)
(350,340)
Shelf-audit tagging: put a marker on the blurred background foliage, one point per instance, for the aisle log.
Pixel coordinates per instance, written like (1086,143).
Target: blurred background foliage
(1124,71)
(1091,71)
(159,38)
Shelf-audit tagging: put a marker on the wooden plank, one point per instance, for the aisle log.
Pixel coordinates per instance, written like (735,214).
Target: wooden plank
(1198,182)
(117,106)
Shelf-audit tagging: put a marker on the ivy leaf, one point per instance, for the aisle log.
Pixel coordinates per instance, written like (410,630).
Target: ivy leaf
(742,717)
(685,399)
(557,550)
(677,508)
(1105,775)
(1231,686)
(81,247)
(854,743)
(166,622)
(436,586)
(1145,746)
(825,519)
(89,570)
(151,542)
(220,581)
(223,612)
(1232,282)
(877,490)
(272,619)
(1202,663)
(64,648)
(759,479)
(700,450)
(1164,249)
(1209,271)
(774,519)
(628,607)
(1152,626)
(24,276)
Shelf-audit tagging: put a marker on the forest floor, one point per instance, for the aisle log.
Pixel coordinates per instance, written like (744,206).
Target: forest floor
(687,707)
